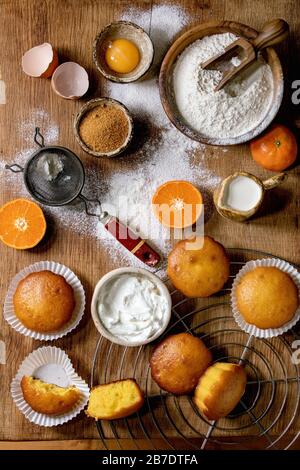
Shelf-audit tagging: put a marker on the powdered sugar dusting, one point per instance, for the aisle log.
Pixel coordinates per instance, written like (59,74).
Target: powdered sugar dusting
(163,154)
(39,118)
(167,154)
(11,178)
(26,129)
(165,23)
(142,97)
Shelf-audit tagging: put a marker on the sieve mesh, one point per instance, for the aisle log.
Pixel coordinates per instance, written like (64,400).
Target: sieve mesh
(54,176)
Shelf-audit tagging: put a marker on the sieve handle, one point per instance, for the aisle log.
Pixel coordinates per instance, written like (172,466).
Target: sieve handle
(88,201)
(132,242)
(39,138)
(15,168)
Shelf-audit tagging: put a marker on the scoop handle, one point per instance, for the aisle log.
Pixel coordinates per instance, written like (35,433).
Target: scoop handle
(273,32)
(132,242)
(274,181)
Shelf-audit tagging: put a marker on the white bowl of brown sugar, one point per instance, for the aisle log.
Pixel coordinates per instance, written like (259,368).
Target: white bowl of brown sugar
(103,127)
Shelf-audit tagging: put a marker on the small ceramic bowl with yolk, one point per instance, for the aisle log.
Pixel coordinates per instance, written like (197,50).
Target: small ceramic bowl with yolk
(123,52)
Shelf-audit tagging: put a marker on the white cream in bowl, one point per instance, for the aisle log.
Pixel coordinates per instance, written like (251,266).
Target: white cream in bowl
(131,306)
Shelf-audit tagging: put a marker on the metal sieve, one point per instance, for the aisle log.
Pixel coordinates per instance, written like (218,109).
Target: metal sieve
(59,191)
(66,185)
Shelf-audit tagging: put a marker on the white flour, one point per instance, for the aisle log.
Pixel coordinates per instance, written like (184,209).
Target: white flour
(233,111)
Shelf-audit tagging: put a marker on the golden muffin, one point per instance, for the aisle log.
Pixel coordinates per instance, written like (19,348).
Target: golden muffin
(220,389)
(267,297)
(198,272)
(47,398)
(115,400)
(44,301)
(178,362)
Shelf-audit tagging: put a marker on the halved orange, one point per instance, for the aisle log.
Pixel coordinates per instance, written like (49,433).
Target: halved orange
(177,204)
(22,224)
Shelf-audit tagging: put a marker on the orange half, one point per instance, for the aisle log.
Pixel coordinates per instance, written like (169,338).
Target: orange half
(22,224)
(177,204)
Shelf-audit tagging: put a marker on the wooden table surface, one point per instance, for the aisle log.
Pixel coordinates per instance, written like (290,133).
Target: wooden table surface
(71,26)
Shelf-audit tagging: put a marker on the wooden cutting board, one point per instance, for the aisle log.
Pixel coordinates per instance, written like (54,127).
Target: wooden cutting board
(71,26)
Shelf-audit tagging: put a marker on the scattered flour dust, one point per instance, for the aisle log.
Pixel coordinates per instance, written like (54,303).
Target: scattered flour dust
(26,130)
(164,153)
(38,118)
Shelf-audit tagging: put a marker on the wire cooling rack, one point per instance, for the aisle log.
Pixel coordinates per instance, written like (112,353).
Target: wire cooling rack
(265,418)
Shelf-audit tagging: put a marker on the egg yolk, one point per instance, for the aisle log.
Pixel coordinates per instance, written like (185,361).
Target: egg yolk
(122,56)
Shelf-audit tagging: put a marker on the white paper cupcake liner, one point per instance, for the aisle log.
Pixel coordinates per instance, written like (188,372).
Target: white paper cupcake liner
(70,277)
(41,357)
(252,329)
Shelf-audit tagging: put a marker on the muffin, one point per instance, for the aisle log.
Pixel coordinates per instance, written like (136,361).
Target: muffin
(178,362)
(220,389)
(48,399)
(44,301)
(267,297)
(115,400)
(198,272)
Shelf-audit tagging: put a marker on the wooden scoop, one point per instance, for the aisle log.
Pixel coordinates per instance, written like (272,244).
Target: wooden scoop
(272,33)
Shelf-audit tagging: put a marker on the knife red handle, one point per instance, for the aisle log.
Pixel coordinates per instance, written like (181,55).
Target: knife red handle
(130,240)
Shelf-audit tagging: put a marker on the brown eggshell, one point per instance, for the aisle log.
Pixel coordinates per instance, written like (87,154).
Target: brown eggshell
(70,81)
(52,67)
(40,61)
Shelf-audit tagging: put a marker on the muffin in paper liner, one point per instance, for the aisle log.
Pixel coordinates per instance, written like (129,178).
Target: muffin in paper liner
(70,277)
(252,329)
(59,371)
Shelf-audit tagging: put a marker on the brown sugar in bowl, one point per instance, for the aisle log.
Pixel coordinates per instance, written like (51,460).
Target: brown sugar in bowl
(86,132)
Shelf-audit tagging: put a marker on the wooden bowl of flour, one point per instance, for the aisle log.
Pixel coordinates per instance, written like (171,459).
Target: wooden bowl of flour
(167,89)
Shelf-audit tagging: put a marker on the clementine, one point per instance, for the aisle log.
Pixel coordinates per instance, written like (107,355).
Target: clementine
(276,150)
(177,204)
(22,224)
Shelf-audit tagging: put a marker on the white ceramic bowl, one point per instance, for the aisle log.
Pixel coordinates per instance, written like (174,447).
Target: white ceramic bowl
(115,273)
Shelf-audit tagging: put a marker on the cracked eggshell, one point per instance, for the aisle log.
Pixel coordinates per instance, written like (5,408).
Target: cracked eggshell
(70,81)
(40,61)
